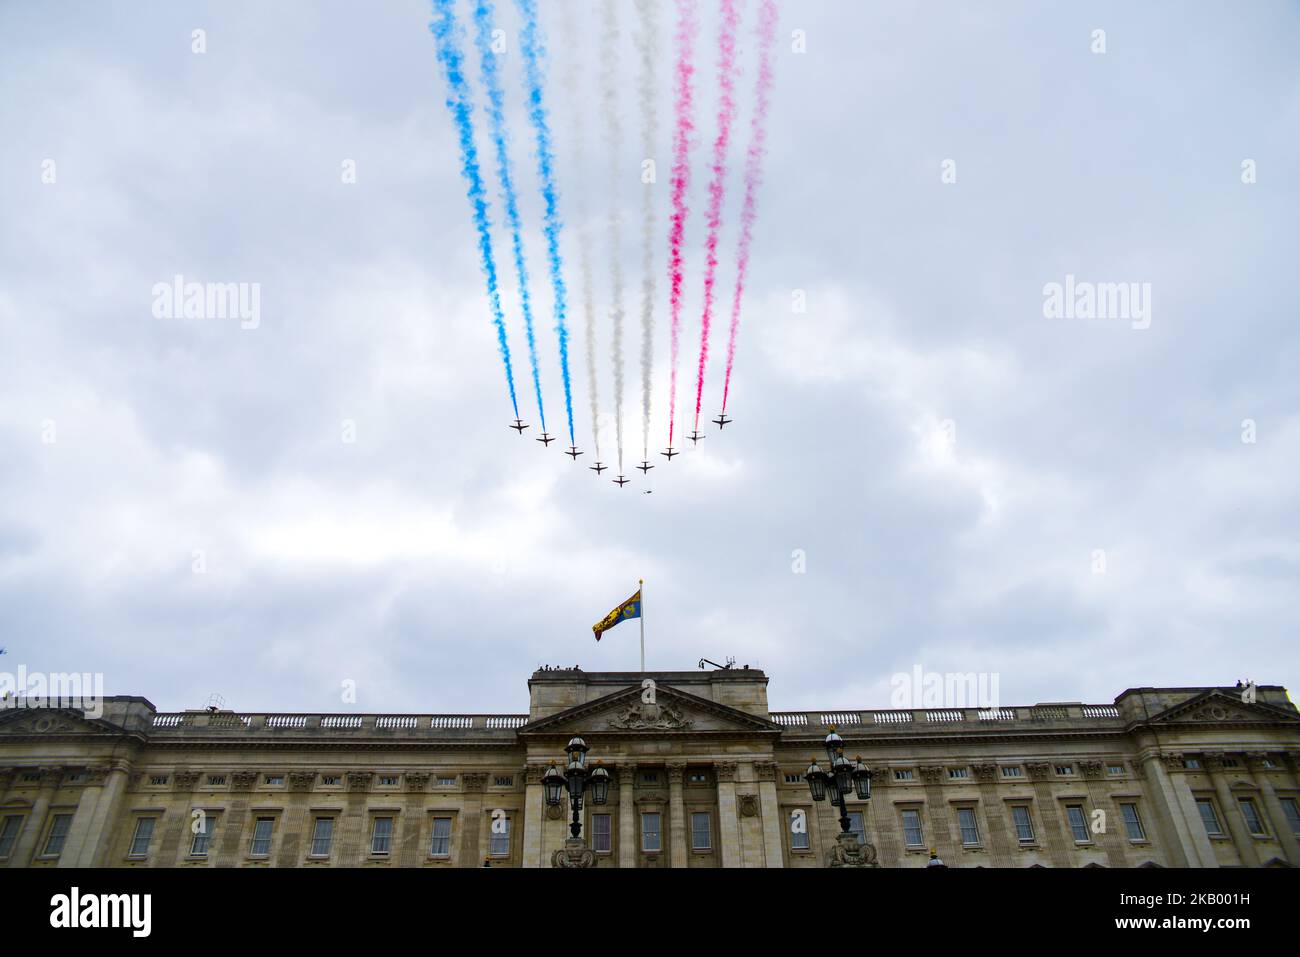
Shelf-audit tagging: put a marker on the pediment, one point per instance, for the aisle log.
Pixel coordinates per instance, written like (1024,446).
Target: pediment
(1215,707)
(671,712)
(51,721)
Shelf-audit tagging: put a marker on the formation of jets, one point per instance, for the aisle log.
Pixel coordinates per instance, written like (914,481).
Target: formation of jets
(546,439)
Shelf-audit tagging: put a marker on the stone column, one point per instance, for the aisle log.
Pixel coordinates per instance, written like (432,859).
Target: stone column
(1054,827)
(999,841)
(80,847)
(627,843)
(676,816)
(1176,818)
(933,776)
(26,848)
(471,822)
(1114,838)
(534,813)
(1236,824)
(728,823)
(1273,807)
(770,809)
(408,851)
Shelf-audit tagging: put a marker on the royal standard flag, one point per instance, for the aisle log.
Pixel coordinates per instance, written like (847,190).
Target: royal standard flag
(629,609)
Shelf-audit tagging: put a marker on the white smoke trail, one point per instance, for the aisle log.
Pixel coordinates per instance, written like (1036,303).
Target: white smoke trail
(648,48)
(614,134)
(569,81)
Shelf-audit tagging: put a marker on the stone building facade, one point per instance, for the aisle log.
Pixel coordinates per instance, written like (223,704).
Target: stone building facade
(704,776)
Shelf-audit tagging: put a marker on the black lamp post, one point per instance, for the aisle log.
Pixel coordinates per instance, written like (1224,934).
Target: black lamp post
(576,779)
(844,778)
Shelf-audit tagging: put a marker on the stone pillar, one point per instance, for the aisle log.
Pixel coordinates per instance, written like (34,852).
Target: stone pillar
(1176,818)
(408,851)
(770,809)
(471,854)
(26,848)
(676,816)
(933,776)
(728,823)
(1000,841)
(79,849)
(1114,838)
(1236,824)
(534,814)
(1055,828)
(1273,808)
(627,842)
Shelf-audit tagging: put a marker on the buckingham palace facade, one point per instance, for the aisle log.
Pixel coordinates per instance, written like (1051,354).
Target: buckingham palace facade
(701,774)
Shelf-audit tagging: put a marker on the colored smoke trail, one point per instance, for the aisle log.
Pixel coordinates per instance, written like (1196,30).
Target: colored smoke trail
(713,218)
(614,135)
(446,35)
(686,28)
(753,174)
(570,84)
(490,71)
(648,48)
(533,51)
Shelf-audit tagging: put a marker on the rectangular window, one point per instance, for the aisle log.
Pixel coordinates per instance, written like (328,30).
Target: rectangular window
(856,828)
(903,774)
(956,774)
(388,780)
(1078,823)
(261,845)
(441,846)
(329,780)
(1065,770)
(970,829)
(1254,823)
(1192,764)
(794,779)
(1024,824)
(381,838)
(601,833)
(446,782)
(799,830)
(505,781)
(1209,816)
(649,832)
(913,835)
(649,777)
(1011,773)
(1133,823)
(203,836)
(143,835)
(701,832)
(499,846)
(273,780)
(58,834)
(158,780)
(1291,806)
(216,780)
(1115,769)
(322,836)
(698,777)
(12,825)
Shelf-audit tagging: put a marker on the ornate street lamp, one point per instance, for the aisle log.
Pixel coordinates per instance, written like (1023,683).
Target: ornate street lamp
(576,779)
(845,777)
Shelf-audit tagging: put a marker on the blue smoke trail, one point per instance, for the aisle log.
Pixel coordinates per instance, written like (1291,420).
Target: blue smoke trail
(496,115)
(533,50)
(446,37)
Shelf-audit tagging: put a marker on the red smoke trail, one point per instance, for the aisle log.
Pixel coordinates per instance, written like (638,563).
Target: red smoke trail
(753,173)
(686,29)
(726,113)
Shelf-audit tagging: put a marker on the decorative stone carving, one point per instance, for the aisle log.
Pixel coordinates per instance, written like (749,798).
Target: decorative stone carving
(1038,770)
(533,773)
(95,777)
(1217,712)
(1090,769)
(726,771)
(243,780)
(767,771)
(575,853)
(1258,761)
(748,805)
(301,780)
(474,781)
(1212,761)
(1138,769)
(554,812)
(185,780)
(676,772)
(848,852)
(640,716)
(1172,761)
(359,780)
(985,773)
(931,773)
(138,776)
(415,781)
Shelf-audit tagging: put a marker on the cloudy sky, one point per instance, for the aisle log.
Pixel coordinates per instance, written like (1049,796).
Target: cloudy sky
(923,469)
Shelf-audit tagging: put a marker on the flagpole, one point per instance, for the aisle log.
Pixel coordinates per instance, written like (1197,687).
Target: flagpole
(641,589)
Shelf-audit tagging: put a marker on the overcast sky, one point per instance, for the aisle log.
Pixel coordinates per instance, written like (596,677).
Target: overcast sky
(179,509)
